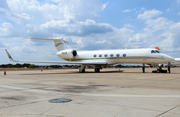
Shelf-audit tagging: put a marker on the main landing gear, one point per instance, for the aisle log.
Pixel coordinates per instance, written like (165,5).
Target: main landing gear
(96,69)
(82,69)
(143,68)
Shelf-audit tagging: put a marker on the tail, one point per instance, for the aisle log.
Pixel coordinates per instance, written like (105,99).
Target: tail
(59,43)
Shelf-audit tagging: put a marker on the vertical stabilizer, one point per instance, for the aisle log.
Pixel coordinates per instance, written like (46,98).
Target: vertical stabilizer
(59,43)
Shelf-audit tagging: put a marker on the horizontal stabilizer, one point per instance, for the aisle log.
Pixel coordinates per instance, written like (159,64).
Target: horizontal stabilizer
(58,43)
(49,39)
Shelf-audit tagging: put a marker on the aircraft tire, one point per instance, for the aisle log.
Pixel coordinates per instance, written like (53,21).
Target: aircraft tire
(81,71)
(97,70)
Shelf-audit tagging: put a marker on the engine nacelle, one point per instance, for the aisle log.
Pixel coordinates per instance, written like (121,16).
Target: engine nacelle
(74,53)
(67,54)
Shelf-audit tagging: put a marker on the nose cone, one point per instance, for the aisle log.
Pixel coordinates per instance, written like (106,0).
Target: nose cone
(167,57)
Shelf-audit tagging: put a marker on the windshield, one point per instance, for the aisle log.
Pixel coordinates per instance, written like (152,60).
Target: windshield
(152,51)
(155,51)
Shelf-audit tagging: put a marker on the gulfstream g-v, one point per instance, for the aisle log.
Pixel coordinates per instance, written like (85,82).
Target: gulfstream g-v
(99,58)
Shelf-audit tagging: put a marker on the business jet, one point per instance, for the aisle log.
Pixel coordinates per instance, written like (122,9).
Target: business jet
(99,58)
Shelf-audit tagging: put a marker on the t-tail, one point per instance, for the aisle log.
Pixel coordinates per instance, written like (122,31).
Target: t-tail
(59,43)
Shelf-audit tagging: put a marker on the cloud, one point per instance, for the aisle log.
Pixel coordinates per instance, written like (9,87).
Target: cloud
(149,14)
(129,10)
(3,4)
(7,25)
(158,24)
(128,26)
(55,19)
(2,45)
(19,17)
(58,9)
(142,9)
(160,32)
(179,13)
(8,31)
(79,23)
(33,16)
(76,28)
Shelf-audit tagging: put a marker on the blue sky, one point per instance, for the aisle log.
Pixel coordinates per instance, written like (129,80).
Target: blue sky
(87,25)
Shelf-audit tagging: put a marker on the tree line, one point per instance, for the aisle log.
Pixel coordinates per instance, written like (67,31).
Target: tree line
(27,65)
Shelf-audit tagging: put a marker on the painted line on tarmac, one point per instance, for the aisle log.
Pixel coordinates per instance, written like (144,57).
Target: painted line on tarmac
(24,89)
(131,96)
(90,94)
(148,77)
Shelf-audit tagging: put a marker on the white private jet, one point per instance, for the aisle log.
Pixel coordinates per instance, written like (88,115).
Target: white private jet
(100,58)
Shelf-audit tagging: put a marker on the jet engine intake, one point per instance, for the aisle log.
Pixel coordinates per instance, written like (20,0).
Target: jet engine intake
(74,53)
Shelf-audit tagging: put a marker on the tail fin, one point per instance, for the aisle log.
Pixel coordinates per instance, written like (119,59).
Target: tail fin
(59,43)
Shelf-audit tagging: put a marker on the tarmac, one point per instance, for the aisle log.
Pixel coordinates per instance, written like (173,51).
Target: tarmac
(124,92)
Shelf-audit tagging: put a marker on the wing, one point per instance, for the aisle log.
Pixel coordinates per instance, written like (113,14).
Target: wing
(57,62)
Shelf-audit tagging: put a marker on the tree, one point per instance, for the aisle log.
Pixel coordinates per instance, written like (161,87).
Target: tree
(32,66)
(26,65)
(9,65)
(17,65)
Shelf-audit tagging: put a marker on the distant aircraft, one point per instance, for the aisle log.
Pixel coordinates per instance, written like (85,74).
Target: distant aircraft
(100,58)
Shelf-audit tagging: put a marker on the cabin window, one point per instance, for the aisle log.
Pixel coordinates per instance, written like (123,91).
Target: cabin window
(95,55)
(100,55)
(105,55)
(111,55)
(118,55)
(124,55)
(152,51)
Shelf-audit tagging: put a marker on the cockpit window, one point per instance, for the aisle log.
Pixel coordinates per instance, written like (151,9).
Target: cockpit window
(152,51)
(157,51)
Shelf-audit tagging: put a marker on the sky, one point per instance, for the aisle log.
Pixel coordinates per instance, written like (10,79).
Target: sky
(87,25)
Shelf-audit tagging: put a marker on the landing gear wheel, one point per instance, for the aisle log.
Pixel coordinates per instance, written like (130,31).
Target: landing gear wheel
(97,70)
(81,71)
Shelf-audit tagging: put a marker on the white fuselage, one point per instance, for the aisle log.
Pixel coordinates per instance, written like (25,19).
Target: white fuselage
(132,56)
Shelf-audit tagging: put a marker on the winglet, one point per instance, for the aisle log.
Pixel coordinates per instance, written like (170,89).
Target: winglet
(10,56)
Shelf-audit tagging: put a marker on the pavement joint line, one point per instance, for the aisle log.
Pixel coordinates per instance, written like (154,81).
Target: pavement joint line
(148,77)
(167,111)
(22,104)
(91,94)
